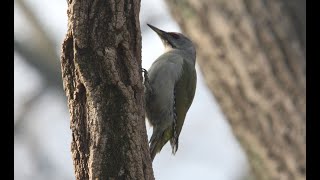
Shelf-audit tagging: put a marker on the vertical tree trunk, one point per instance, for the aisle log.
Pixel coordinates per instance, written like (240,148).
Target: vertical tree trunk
(101,70)
(252,55)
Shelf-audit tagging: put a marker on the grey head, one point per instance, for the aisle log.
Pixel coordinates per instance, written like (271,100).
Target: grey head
(175,40)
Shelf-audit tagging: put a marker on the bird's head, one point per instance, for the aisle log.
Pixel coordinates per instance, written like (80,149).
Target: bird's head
(174,40)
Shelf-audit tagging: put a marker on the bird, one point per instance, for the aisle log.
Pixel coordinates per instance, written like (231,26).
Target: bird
(170,89)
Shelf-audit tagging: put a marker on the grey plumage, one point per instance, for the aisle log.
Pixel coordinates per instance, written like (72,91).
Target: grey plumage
(172,84)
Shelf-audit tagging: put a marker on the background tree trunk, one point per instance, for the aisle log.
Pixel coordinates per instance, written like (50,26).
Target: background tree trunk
(101,70)
(252,55)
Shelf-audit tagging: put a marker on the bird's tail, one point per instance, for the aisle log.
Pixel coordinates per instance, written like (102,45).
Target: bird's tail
(157,141)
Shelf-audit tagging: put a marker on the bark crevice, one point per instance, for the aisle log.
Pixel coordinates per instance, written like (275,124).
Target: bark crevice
(100,68)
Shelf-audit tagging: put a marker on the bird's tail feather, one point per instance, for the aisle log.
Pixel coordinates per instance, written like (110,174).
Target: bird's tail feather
(157,141)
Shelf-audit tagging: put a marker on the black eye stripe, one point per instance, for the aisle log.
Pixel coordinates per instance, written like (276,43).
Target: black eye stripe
(174,35)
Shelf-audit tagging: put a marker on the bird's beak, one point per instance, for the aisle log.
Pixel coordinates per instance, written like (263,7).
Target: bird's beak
(161,33)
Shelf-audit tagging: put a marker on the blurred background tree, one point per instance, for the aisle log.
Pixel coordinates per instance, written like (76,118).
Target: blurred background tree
(251,53)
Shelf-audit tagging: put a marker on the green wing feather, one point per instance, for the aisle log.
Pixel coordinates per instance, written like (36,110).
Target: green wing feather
(184,94)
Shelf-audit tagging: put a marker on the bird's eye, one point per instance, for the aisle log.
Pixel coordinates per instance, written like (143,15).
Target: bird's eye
(175,35)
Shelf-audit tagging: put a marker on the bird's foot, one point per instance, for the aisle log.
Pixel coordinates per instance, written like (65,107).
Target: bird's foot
(146,79)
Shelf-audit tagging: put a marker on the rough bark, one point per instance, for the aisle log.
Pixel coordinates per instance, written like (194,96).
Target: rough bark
(101,70)
(252,55)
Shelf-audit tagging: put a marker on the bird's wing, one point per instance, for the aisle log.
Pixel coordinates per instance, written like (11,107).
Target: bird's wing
(163,75)
(184,93)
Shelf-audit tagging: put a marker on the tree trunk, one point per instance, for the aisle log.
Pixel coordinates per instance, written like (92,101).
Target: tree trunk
(101,70)
(252,55)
